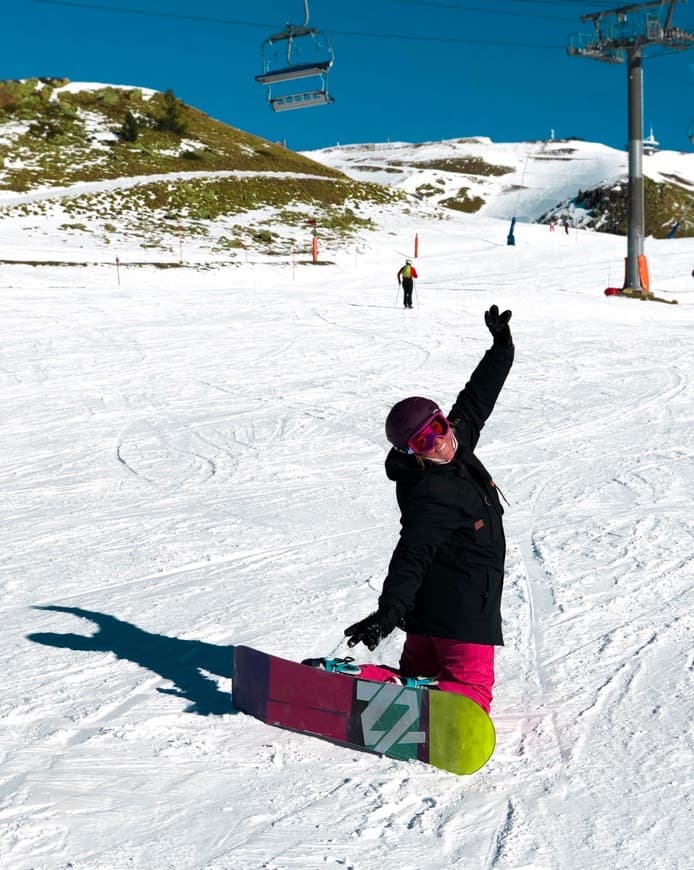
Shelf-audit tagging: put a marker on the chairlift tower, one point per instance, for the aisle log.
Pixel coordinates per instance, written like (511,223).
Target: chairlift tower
(611,43)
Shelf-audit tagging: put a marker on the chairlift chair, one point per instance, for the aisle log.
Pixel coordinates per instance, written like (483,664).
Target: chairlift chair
(297,52)
(299,101)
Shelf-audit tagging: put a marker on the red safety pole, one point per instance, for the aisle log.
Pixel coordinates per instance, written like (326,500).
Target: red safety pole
(314,242)
(416,245)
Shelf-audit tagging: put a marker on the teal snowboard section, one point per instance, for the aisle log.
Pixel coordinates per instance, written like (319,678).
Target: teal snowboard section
(443,729)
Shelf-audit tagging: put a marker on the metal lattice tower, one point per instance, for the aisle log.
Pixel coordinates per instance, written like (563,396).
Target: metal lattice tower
(612,41)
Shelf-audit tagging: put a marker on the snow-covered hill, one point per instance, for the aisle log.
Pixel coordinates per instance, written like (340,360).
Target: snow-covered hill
(496,179)
(132,163)
(117,164)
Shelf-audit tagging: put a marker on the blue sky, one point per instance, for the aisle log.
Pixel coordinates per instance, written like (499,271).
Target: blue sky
(405,70)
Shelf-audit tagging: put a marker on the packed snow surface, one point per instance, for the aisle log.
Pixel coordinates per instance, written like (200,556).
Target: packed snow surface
(193,459)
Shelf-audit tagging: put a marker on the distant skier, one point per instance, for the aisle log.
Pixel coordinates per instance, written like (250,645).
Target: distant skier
(406,276)
(445,577)
(565,224)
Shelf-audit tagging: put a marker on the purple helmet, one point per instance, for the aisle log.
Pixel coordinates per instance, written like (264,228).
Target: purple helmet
(406,418)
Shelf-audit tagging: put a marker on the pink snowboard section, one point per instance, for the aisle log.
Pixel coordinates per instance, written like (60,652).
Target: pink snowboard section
(287,704)
(296,697)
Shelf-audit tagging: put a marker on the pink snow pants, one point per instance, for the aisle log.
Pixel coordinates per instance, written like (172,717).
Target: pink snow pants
(465,668)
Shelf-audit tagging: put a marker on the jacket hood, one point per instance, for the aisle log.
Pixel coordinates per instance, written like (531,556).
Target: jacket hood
(400,465)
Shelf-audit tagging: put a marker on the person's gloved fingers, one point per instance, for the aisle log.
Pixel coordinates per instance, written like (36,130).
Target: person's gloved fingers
(491,318)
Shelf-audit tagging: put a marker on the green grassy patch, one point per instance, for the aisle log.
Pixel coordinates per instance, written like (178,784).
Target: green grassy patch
(158,210)
(427,190)
(80,227)
(463,202)
(664,205)
(464,165)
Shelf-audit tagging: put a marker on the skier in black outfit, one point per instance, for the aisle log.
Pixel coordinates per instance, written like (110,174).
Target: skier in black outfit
(445,577)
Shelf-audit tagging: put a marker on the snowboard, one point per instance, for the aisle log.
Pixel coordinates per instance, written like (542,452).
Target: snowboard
(446,730)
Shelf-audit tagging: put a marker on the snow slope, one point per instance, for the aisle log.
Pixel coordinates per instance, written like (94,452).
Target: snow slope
(193,459)
(542,173)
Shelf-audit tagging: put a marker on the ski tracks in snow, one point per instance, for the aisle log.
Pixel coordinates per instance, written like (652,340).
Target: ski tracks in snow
(607,512)
(212,474)
(150,454)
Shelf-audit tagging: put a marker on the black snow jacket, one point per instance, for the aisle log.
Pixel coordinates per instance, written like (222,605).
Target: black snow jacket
(446,574)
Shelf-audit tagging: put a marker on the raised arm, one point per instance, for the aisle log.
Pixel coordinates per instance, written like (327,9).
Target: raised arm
(476,400)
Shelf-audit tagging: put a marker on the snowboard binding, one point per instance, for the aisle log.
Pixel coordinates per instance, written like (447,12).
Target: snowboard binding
(334,666)
(417,682)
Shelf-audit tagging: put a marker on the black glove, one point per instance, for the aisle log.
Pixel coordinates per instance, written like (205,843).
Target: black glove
(497,324)
(373,629)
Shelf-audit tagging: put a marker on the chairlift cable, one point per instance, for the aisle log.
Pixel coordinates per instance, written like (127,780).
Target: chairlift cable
(203,19)
(258,25)
(484,10)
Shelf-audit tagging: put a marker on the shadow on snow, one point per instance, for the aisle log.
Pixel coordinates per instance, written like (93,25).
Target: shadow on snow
(179,661)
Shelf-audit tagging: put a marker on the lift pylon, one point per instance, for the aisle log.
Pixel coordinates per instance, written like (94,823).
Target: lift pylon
(612,42)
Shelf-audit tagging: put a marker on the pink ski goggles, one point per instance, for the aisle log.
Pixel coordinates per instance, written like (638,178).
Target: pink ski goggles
(424,438)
